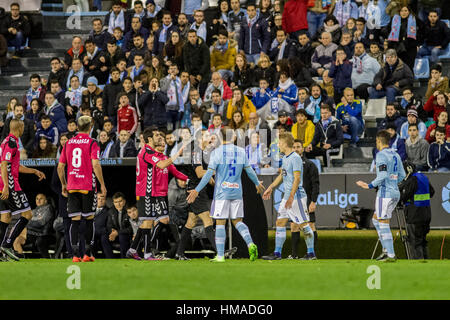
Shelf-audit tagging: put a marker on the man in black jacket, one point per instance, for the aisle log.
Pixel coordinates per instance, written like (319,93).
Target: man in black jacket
(416,192)
(282,48)
(436,37)
(110,93)
(196,61)
(27,139)
(119,223)
(16,28)
(103,227)
(304,50)
(328,136)
(124,147)
(311,185)
(95,62)
(99,36)
(152,105)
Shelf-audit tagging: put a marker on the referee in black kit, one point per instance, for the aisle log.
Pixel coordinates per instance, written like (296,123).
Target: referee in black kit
(311,185)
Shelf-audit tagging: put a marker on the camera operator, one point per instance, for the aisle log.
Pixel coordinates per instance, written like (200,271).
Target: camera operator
(416,192)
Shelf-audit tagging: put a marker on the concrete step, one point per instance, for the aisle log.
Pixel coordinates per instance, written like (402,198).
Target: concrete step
(18,81)
(66,21)
(51,43)
(6,95)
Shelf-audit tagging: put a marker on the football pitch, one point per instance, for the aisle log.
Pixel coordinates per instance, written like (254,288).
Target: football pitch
(236,279)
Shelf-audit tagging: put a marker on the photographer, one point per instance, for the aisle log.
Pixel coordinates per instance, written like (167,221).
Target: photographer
(416,192)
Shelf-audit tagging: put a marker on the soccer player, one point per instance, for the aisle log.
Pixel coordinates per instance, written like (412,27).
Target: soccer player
(81,156)
(390,173)
(227,162)
(293,206)
(13,200)
(200,207)
(152,180)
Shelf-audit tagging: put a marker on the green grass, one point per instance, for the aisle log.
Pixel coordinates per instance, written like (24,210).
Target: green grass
(236,279)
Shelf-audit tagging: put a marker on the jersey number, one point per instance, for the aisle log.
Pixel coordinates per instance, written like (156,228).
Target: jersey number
(232,169)
(76,158)
(395,164)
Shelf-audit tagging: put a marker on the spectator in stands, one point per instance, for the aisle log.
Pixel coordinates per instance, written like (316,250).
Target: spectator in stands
(405,35)
(203,30)
(364,70)
(303,129)
(376,53)
(153,106)
(364,34)
(313,103)
(76,51)
(117,17)
(347,43)
(196,61)
(327,84)
(55,111)
(74,96)
(26,140)
(436,103)
(220,21)
(254,39)
(409,101)
(391,79)
(125,146)
(303,98)
(331,26)
(90,95)
(10,108)
(156,68)
(102,225)
(323,54)
(413,118)
(277,25)
(183,26)
(284,120)
(47,130)
(437,82)
(299,73)
(36,90)
(303,49)
(111,91)
(217,83)
(255,123)
(44,149)
(392,117)
(223,55)
(262,95)
(171,86)
(317,12)
(417,148)
(39,228)
(235,18)
(436,36)
(109,129)
(153,12)
(243,75)
(256,153)
(113,57)
(98,35)
(57,73)
(163,33)
(442,122)
(350,28)
(343,10)
(76,70)
(396,143)
(106,145)
(138,48)
(349,112)
(439,153)
(35,112)
(95,62)
(340,71)
(72,128)
(216,105)
(118,37)
(282,47)
(57,91)
(17,29)
(173,50)
(121,230)
(286,89)
(328,136)
(139,68)
(294,18)
(237,123)
(216,124)
(127,118)
(241,103)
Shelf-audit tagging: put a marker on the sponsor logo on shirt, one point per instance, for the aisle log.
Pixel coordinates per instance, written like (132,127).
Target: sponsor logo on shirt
(230,185)
(393,176)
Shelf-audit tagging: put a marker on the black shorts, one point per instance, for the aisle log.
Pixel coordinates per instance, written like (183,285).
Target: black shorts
(17,203)
(312,217)
(152,208)
(201,204)
(83,204)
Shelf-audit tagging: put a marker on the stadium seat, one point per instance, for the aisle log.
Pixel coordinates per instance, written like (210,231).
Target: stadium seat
(422,68)
(446,54)
(340,155)
(318,164)
(376,108)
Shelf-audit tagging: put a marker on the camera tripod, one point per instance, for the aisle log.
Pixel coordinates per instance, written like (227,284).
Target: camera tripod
(401,220)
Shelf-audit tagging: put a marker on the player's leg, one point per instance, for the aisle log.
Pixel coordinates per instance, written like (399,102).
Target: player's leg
(89,205)
(74,209)
(301,217)
(208,225)
(237,214)
(25,216)
(220,211)
(312,224)
(161,214)
(161,224)
(147,226)
(387,207)
(376,223)
(280,234)
(295,239)
(186,236)
(5,220)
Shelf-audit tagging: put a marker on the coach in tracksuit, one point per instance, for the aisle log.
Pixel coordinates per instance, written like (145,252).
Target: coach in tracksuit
(416,192)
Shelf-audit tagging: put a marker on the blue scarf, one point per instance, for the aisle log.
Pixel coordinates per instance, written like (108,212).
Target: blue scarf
(163,33)
(116,21)
(152,15)
(313,108)
(32,94)
(343,11)
(80,75)
(135,72)
(395,30)
(325,123)
(222,48)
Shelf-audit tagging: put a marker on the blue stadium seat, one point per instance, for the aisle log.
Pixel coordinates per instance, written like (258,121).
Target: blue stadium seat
(446,54)
(317,163)
(422,68)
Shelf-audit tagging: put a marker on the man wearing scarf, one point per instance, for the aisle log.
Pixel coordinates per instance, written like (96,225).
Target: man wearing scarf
(76,70)
(55,111)
(199,25)
(95,62)
(345,9)
(98,35)
(36,90)
(116,18)
(163,33)
(281,48)
(136,28)
(218,83)
(363,72)
(223,55)
(254,38)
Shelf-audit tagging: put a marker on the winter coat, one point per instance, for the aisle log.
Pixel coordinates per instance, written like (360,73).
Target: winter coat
(153,108)
(401,73)
(225,60)
(323,56)
(309,132)
(196,59)
(439,156)
(256,39)
(247,108)
(396,119)
(341,75)
(333,135)
(294,16)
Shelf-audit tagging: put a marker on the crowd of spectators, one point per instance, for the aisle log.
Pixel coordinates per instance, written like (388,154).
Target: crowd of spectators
(303,66)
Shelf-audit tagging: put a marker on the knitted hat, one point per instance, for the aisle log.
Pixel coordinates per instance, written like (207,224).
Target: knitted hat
(413,112)
(92,80)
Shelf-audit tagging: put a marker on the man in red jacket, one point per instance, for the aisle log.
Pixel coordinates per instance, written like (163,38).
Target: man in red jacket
(294,17)
(126,115)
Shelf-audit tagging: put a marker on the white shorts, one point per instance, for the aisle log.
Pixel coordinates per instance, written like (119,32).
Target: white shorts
(227,209)
(384,207)
(298,213)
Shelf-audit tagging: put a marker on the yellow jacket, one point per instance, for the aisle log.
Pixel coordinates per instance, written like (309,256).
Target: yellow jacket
(309,132)
(224,61)
(247,108)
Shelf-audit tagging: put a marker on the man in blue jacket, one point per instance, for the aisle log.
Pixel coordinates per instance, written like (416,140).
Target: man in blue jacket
(55,111)
(263,95)
(47,130)
(439,153)
(349,112)
(153,106)
(163,33)
(254,36)
(341,72)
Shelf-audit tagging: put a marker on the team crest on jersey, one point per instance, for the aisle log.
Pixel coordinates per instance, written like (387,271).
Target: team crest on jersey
(155,159)
(284,172)
(8,156)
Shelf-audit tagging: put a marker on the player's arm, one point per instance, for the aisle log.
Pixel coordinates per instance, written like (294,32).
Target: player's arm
(99,174)
(62,177)
(273,185)
(200,172)
(294,189)
(165,163)
(194,192)
(5,191)
(40,174)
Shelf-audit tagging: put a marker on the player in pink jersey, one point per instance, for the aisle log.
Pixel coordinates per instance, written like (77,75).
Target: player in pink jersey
(152,179)
(81,155)
(13,200)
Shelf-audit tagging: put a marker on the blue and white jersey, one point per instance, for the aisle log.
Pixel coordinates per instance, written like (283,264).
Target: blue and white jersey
(290,164)
(390,173)
(228,161)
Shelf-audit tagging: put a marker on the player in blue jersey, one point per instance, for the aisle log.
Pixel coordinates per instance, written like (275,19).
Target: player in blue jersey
(294,204)
(227,162)
(390,173)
